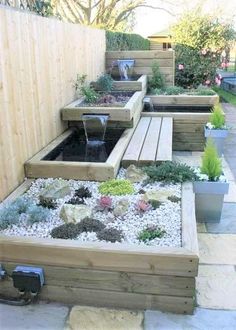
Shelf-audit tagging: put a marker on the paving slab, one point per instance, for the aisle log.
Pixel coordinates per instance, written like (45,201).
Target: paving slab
(203,319)
(218,249)
(231,196)
(33,317)
(91,318)
(227,224)
(201,227)
(216,287)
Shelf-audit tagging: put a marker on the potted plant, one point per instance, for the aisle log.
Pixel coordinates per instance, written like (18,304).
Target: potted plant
(216,128)
(210,186)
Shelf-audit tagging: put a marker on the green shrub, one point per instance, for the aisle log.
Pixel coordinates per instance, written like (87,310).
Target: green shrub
(174,199)
(88,92)
(125,41)
(116,187)
(105,83)
(211,163)
(37,214)
(157,79)
(170,172)
(203,91)
(217,117)
(151,233)
(110,235)
(155,204)
(66,231)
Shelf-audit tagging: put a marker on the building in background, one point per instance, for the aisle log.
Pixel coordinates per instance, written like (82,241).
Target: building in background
(160,40)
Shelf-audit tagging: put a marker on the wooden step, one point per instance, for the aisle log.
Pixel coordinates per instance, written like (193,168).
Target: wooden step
(151,142)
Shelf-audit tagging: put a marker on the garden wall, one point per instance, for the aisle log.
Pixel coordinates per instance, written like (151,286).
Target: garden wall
(39,60)
(144,60)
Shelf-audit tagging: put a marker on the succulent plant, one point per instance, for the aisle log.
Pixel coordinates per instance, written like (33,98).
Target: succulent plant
(142,206)
(110,235)
(150,233)
(104,203)
(155,203)
(47,202)
(8,216)
(37,214)
(83,192)
(174,199)
(75,201)
(90,224)
(21,204)
(116,187)
(66,231)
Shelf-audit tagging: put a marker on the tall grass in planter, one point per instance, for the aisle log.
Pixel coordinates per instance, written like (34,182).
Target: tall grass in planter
(216,129)
(210,187)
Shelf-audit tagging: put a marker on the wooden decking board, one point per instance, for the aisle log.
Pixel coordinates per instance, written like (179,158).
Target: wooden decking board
(164,151)
(150,144)
(135,146)
(151,141)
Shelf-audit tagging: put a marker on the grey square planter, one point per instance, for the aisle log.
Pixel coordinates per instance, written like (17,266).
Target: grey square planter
(209,198)
(218,136)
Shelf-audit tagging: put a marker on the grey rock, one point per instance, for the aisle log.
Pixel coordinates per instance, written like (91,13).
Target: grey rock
(121,208)
(135,174)
(75,213)
(157,195)
(57,189)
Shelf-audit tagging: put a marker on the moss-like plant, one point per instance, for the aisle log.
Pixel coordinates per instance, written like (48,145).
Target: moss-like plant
(211,163)
(116,187)
(174,199)
(217,118)
(37,214)
(110,235)
(66,231)
(157,79)
(105,83)
(155,203)
(151,233)
(90,224)
(47,202)
(170,172)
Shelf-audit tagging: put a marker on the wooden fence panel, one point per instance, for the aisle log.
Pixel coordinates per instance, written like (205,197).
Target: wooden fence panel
(39,60)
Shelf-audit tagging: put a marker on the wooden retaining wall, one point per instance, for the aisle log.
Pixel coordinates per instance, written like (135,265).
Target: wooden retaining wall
(39,60)
(144,61)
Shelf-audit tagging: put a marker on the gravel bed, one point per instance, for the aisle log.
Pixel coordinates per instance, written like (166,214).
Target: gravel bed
(167,216)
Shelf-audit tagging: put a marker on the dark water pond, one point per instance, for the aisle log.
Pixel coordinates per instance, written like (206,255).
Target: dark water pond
(179,108)
(75,148)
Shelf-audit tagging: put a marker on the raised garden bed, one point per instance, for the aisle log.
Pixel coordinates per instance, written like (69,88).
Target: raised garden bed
(116,275)
(135,83)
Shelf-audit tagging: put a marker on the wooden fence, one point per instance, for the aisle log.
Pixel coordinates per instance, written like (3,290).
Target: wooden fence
(39,60)
(144,60)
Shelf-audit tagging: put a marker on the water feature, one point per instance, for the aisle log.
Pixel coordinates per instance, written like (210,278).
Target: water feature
(125,68)
(148,105)
(95,127)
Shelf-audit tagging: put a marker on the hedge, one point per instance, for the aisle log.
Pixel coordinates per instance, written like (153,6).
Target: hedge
(125,41)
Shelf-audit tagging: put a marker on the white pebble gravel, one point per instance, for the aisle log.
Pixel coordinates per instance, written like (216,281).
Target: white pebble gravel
(167,216)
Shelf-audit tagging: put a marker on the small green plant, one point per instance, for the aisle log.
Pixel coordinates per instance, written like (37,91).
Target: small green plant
(90,224)
(203,91)
(211,163)
(89,94)
(110,235)
(151,233)
(66,231)
(47,203)
(21,204)
(37,214)
(155,203)
(173,90)
(157,79)
(105,83)
(83,192)
(8,216)
(76,201)
(116,187)
(174,199)
(170,172)
(217,118)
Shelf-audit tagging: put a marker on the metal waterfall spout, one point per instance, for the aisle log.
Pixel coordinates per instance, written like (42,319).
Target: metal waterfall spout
(125,68)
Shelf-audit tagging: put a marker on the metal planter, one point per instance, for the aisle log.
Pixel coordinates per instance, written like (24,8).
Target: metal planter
(209,198)
(218,136)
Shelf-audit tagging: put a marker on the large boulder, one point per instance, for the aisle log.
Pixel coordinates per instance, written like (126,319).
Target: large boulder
(121,208)
(157,195)
(56,189)
(135,174)
(75,213)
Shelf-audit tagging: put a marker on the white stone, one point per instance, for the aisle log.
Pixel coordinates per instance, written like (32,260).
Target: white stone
(135,174)
(56,189)
(157,195)
(121,207)
(75,213)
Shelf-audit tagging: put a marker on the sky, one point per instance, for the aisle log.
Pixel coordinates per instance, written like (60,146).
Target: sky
(149,21)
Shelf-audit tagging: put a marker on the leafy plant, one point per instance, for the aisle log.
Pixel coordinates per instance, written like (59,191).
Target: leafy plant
(203,91)
(21,204)
(76,201)
(47,202)
(174,199)
(217,118)
(142,206)
(83,192)
(110,235)
(90,224)
(211,163)
(151,233)
(88,92)
(105,83)
(66,231)
(8,216)
(157,79)
(37,214)
(104,203)
(116,187)
(170,172)
(155,203)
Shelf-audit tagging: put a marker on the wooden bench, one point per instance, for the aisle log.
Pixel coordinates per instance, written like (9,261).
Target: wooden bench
(151,142)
